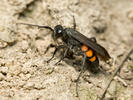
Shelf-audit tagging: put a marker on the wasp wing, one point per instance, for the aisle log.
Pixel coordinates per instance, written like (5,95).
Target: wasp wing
(93,45)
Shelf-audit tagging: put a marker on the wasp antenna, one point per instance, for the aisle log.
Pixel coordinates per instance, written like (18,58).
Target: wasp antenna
(74,23)
(47,27)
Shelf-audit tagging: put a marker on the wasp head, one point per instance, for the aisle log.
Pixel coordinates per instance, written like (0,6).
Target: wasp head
(58,30)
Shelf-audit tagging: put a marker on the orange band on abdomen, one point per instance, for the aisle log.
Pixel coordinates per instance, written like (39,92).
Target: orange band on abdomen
(89,53)
(84,48)
(92,59)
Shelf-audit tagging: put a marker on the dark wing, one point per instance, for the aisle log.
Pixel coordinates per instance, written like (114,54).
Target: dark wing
(93,45)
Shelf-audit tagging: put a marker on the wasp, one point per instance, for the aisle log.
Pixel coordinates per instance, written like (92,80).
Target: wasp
(79,44)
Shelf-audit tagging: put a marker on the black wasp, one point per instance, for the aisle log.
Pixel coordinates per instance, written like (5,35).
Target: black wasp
(79,44)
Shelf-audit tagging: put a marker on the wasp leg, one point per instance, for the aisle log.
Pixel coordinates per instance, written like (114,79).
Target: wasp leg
(52,55)
(56,49)
(93,39)
(82,70)
(50,46)
(74,23)
(47,27)
(65,53)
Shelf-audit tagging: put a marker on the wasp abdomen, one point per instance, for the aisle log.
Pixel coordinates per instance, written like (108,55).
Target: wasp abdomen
(92,60)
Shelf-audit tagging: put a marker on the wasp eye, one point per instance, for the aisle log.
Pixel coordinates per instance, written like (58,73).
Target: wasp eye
(59,31)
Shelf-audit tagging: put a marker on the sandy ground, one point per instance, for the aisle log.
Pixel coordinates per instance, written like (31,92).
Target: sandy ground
(24,73)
